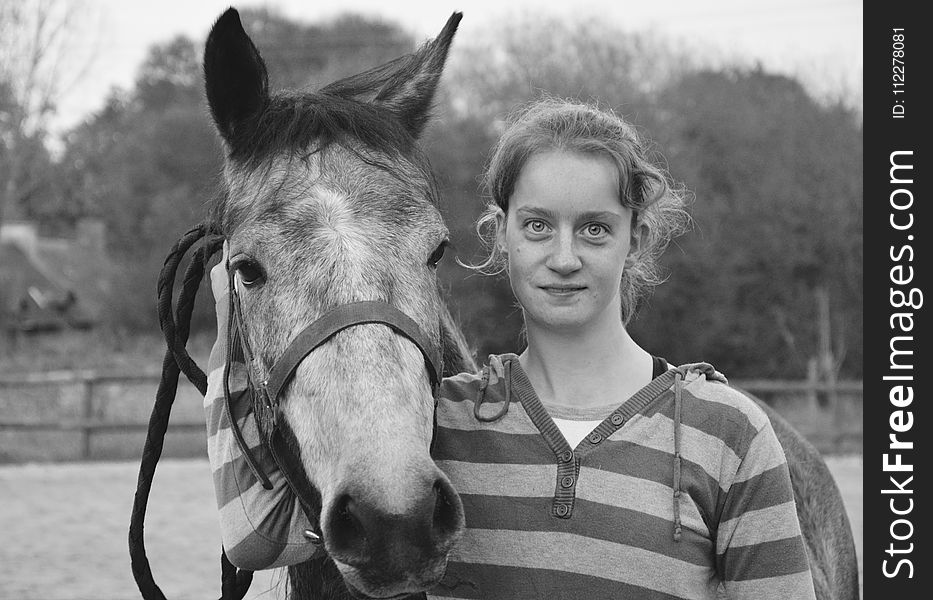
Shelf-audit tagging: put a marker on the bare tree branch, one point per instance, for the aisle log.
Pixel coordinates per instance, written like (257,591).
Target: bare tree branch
(37,42)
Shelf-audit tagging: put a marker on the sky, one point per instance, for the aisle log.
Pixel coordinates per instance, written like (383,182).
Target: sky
(819,41)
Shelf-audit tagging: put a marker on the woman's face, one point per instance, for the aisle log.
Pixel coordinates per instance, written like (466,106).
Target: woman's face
(567,236)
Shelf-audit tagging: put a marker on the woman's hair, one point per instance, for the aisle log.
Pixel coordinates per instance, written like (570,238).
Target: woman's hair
(559,125)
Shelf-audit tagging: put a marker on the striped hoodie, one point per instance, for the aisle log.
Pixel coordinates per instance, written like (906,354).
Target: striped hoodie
(619,515)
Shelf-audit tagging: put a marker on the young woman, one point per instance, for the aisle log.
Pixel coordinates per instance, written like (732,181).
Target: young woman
(587,467)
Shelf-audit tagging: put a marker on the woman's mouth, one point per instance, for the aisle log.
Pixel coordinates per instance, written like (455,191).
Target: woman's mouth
(562,289)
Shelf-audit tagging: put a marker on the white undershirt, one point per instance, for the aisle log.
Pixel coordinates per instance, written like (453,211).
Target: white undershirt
(576,423)
(575,431)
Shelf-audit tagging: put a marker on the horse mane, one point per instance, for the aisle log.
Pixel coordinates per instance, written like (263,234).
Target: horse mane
(292,122)
(458,356)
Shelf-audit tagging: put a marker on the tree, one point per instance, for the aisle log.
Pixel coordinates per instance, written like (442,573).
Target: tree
(146,164)
(314,54)
(511,63)
(777,181)
(37,46)
(18,151)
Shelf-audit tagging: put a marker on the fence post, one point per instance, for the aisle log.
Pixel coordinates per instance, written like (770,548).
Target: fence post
(832,397)
(87,408)
(813,382)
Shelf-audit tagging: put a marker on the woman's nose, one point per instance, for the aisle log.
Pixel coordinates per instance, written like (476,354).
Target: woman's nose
(563,257)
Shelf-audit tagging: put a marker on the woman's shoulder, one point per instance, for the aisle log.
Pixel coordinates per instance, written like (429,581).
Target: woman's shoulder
(712,392)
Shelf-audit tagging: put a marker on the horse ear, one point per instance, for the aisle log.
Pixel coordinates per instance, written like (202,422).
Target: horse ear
(235,76)
(409,93)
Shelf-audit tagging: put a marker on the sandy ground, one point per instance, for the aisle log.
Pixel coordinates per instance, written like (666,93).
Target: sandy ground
(63,530)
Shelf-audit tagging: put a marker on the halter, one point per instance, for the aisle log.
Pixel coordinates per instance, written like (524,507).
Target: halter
(269,388)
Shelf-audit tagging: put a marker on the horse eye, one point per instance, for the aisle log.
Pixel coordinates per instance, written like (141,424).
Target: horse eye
(250,272)
(438,254)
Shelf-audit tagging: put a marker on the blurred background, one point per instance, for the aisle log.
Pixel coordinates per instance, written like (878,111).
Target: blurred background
(108,155)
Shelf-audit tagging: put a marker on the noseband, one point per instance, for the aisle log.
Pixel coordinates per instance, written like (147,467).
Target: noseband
(269,388)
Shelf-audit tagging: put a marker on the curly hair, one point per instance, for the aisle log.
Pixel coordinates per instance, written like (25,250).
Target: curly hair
(553,124)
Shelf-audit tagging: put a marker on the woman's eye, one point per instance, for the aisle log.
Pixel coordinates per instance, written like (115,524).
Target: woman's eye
(250,273)
(438,253)
(536,226)
(596,230)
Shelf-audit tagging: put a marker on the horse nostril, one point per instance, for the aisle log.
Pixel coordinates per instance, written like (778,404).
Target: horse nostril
(346,533)
(448,512)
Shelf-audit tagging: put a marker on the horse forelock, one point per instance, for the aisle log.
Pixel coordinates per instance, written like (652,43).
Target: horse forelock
(292,121)
(252,193)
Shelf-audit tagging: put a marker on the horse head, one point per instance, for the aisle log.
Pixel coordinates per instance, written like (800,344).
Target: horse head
(328,202)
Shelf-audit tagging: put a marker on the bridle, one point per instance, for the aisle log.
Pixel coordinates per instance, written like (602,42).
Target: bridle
(267,388)
(175,319)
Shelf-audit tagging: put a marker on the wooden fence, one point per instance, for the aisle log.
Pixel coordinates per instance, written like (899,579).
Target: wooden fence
(836,426)
(86,413)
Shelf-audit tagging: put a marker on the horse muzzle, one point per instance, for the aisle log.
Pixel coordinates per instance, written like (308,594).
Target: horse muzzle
(382,554)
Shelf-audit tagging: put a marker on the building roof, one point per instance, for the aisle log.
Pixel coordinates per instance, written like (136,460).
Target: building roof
(41,290)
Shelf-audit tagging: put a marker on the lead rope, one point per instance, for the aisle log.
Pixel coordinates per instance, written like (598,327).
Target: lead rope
(175,330)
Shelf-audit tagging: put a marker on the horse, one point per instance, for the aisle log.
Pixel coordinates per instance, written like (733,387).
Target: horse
(824,522)
(330,213)
(328,202)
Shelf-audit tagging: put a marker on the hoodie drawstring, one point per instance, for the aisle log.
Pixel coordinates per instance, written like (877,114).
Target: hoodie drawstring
(492,372)
(711,375)
(678,387)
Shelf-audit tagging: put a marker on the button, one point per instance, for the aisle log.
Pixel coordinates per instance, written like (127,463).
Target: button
(565,456)
(617,419)
(566,482)
(595,438)
(562,510)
